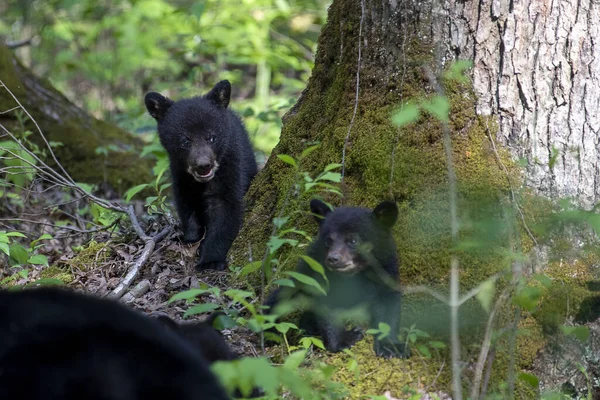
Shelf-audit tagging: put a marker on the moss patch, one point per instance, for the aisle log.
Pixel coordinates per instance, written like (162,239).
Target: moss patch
(54,272)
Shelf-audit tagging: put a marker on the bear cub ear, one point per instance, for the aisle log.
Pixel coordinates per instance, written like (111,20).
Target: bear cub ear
(386,213)
(320,209)
(157,105)
(220,94)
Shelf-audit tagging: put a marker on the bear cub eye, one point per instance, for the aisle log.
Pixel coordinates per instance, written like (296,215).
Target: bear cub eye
(212,138)
(352,241)
(185,141)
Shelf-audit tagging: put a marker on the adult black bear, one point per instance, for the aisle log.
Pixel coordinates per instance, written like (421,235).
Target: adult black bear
(357,248)
(60,345)
(208,341)
(212,165)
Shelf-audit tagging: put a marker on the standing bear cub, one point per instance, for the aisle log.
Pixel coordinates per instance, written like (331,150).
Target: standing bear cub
(212,165)
(357,248)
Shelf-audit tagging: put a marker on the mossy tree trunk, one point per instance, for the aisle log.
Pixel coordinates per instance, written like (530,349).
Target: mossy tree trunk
(80,134)
(371,59)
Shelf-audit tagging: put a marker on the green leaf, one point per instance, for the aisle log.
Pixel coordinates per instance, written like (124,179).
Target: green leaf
(424,350)
(405,115)
(276,242)
(284,327)
(200,308)
(307,280)
(197,10)
(19,254)
(250,268)
(295,359)
(284,282)
(486,292)
(279,222)
(38,259)
(288,160)
(582,333)
(5,249)
(315,266)
(384,330)
(330,176)
(15,234)
(528,298)
(543,279)
(308,150)
(134,190)
(187,295)
(329,167)
(530,379)
(438,106)
(457,70)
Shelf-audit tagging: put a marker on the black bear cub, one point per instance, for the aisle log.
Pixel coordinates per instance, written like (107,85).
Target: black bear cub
(208,341)
(61,345)
(357,249)
(212,165)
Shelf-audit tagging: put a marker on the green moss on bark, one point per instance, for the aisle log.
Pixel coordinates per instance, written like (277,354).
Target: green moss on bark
(79,133)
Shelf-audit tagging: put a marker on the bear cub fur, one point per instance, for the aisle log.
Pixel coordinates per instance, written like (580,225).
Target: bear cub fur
(61,345)
(357,249)
(212,165)
(208,341)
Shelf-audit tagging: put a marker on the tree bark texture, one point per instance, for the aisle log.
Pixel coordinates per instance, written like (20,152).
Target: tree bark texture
(537,72)
(80,134)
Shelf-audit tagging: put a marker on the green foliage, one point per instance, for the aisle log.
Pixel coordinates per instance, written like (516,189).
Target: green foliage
(21,256)
(265,47)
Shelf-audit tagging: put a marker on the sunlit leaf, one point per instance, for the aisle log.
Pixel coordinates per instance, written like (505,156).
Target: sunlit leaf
(486,292)
(200,308)
(38,259)
(405,115)
(438,106)
(187,295)
(582,333)
(288,160)
(307,280)
(530,379)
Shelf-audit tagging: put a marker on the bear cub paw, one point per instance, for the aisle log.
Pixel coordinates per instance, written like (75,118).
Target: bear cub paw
(388,349)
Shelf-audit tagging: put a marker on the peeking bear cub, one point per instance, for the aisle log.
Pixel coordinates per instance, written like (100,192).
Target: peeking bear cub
(212,165)
(356,247)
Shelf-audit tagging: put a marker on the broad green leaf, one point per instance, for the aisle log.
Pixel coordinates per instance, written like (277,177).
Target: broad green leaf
(405,115)
(200,308)
(134,190)
(424,350)
(330,176)
(307,280)
(237,294)
(4,248)
(582,333)
(530,379)
(288,160)
(329,167)
(19,254)
(457,70)
(279,222)
(295,359)
(276,242)
(384,330)
(285,282)
(315,266)
(250,268)
(38,259)
(308,150)
(15,234)
(284,327)
(528,298)
(486,292)
(187,295)
(543,279)
(438,106)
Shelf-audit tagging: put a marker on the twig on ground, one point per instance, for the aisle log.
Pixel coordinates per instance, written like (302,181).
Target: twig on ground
(149,244)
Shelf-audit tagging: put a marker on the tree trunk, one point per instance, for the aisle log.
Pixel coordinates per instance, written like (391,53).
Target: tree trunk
(371,59)
(537,73)
(80,134)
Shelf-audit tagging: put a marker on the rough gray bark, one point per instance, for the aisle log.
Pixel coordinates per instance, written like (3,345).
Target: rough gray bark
(537,70)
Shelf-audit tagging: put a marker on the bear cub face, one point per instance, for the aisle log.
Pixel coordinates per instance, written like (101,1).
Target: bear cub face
(199,139)
(349,235)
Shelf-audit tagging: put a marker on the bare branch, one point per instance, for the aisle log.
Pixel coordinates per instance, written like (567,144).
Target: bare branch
(19,43)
